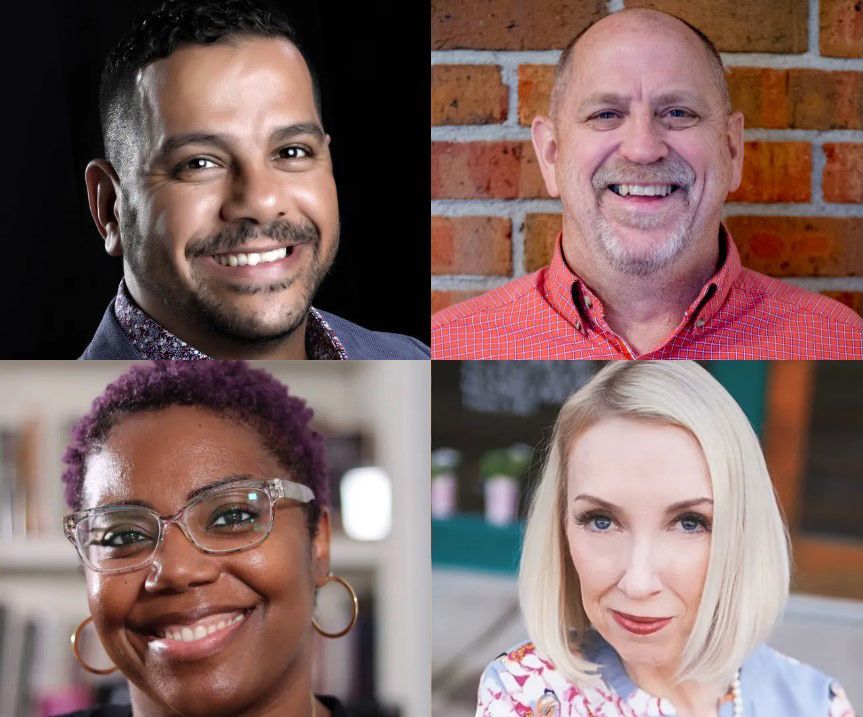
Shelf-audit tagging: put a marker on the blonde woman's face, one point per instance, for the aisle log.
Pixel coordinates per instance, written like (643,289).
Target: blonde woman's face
(638,516)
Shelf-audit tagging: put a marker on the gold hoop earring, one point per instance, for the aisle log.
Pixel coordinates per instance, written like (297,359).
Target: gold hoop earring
(356,606)
(75,636)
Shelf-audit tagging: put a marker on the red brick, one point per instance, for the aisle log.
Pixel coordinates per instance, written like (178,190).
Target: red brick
(826,100)
(485,170)
(800,246)
(743,25)
(761,94)
(510,24)
(467,94)
(540,231)
(534,89)
(775,172)
(841,27)
(442,299)
(843,173)
(471,245)
(852,299)
(798,98)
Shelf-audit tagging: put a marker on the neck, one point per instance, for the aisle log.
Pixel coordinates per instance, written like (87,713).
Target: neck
(216,345)
(690,699)
(643,310)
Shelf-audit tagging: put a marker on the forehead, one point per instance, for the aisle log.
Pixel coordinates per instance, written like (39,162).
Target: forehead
(634,462)
(159,457)
(639,55)
(241,87)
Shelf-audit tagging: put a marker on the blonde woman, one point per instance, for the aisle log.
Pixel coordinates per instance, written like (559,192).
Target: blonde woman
(655,563)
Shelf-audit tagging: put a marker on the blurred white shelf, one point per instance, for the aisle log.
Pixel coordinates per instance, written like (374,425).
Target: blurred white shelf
(53,555)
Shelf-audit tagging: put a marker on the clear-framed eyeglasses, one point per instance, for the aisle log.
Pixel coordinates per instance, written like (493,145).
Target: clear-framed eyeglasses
(225,519)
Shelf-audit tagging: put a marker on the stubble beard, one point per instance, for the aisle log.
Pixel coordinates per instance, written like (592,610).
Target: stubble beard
(201,305)
(641,259)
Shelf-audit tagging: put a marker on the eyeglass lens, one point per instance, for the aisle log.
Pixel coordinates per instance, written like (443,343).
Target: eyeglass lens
(122,537)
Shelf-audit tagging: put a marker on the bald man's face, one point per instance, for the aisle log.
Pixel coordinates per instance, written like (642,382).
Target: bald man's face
(642,150)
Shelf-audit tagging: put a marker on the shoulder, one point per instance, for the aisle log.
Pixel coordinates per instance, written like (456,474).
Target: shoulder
(797,687)
(110,341)
(104,711)
(806,317)
(490,314)
(514,682)
(363,343)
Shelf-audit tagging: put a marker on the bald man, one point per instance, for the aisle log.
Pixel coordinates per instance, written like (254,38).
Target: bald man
(642,146)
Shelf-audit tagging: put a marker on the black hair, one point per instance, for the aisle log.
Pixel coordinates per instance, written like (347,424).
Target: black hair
(173,24)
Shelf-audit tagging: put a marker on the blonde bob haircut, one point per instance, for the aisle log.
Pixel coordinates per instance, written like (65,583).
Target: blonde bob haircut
(746,586)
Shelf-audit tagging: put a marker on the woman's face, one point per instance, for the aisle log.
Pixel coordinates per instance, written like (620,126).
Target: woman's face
(638,515)
(159,458)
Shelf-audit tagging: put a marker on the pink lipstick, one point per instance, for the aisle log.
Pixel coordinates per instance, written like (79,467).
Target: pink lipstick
(640,625)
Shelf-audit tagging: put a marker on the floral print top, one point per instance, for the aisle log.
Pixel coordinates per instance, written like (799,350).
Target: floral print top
(518,680)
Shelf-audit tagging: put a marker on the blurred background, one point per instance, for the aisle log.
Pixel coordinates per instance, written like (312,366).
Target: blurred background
(375,415)
(490,424)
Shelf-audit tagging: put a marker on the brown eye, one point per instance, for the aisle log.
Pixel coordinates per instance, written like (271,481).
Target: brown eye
(199,163)
(294,152)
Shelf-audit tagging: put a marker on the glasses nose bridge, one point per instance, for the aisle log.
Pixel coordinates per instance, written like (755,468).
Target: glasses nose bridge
(180,519)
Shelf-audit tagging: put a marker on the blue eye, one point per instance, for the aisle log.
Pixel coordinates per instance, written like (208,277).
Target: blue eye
(601,522)
(693,523)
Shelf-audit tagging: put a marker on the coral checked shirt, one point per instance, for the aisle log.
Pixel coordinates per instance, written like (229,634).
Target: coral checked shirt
(739,314)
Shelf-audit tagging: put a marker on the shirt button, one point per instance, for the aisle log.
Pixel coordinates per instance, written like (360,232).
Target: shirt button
(587,302)
(699,324)
(578,325)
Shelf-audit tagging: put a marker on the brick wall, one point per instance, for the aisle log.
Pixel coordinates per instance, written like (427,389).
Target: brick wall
(795,69)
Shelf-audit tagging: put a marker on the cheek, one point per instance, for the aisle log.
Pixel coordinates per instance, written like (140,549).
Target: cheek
(595,570)
(182,213)
(314,194)
(686,568)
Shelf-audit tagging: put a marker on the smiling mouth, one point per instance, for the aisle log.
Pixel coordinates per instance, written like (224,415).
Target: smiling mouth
(199,629)
(640,625)
(254,258)
(644,190)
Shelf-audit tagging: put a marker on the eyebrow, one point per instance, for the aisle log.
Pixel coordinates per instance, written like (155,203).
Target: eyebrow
(192,494)
(282,134)
(613,98)
(673,508)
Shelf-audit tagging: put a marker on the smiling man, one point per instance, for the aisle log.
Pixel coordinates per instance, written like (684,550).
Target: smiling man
(642,146)
(218,193)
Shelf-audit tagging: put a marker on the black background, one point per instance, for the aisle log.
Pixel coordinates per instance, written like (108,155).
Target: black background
(372,62)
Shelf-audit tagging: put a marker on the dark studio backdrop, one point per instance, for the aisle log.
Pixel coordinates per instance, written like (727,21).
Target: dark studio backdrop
(372,62)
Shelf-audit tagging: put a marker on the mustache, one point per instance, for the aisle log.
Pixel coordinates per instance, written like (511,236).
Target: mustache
(671,170)
(232,237)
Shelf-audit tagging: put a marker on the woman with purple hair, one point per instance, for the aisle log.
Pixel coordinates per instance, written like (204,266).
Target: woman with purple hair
(200,497)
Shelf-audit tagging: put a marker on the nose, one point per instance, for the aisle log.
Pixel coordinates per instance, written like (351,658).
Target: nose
(257,194)
(641,578)
(179,565)
(643,142)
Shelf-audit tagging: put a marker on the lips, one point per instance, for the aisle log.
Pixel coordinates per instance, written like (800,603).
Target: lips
(194,634)
(639,625)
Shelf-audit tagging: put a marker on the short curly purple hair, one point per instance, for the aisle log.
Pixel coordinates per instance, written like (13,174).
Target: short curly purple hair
(232,388)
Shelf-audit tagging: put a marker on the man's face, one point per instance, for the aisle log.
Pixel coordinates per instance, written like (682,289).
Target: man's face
(229,217)
(643,152)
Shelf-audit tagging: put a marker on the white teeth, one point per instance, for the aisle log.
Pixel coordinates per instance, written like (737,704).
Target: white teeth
(644,190)
(251,258)
(190,633)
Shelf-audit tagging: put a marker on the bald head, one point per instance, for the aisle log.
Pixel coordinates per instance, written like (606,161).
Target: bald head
(664,27)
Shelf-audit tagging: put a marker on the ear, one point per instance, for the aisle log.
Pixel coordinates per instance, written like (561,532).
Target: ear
(321,549)
(103,195)
(545,146)
(735,148)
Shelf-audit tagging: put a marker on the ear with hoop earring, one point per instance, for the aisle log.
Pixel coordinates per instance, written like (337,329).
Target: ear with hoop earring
(75,637)
(355,605)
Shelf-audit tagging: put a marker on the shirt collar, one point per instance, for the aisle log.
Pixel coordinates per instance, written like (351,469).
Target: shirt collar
(576,302)
(156,342)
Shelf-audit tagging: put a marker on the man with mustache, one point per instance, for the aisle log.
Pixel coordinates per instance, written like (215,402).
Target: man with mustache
(642,146)
(218,193)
